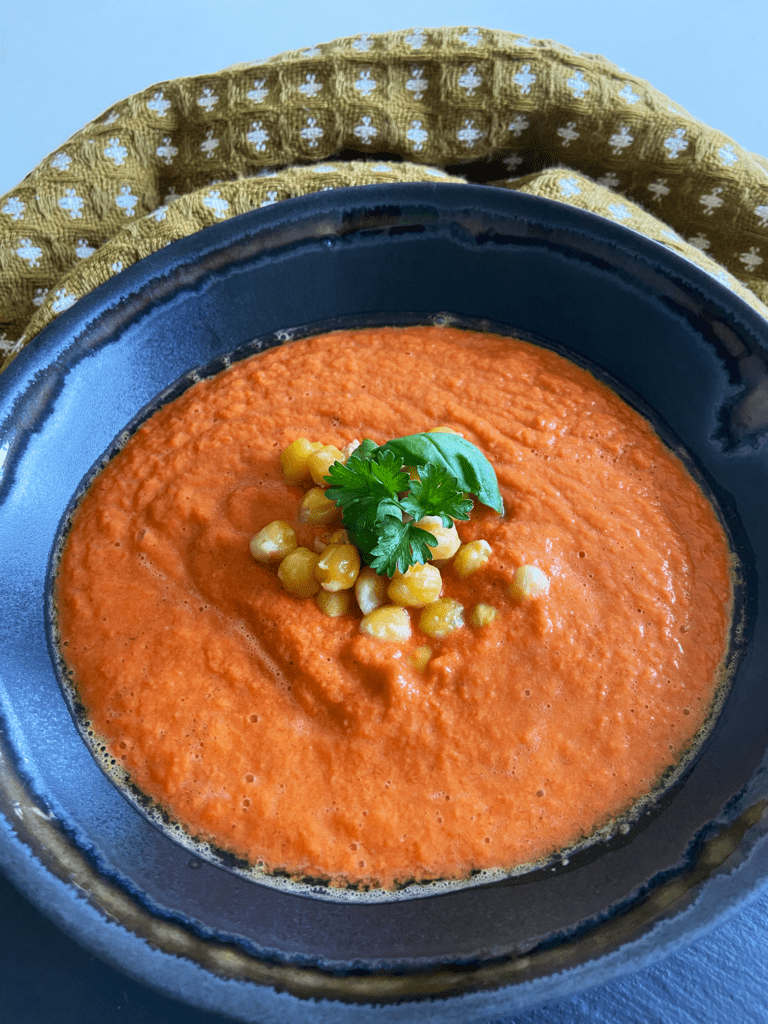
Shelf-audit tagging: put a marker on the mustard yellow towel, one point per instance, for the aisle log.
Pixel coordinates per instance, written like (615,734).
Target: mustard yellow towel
(448,104)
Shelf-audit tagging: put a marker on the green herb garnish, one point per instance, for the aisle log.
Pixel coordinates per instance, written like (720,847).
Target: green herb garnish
(380,502)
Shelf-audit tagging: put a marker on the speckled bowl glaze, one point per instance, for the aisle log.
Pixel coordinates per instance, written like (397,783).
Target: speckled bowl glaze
(678,344)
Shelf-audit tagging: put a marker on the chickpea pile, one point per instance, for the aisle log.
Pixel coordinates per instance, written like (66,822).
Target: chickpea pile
(333,573)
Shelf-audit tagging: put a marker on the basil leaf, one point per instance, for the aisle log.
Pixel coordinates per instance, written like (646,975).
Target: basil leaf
(466,463)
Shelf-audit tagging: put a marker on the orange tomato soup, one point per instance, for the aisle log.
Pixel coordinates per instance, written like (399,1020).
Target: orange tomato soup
(300,744)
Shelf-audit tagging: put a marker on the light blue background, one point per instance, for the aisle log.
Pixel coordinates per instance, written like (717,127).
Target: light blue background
(63,63)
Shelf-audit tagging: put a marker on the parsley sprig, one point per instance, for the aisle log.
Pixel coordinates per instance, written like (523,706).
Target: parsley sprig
(381,502)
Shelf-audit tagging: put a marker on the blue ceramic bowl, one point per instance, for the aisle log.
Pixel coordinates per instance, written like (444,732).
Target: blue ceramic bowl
(676,343)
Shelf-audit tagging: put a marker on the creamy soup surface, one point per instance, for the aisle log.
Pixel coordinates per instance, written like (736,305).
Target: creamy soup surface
(301,745)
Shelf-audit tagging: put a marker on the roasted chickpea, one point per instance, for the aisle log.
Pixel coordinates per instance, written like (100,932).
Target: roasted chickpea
(273,542)
(338,567)
(296,572)
(441,618)
(529,582)
(417,586)
(387,623)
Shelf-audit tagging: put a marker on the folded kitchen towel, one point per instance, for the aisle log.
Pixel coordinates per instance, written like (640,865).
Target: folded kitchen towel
(448,104)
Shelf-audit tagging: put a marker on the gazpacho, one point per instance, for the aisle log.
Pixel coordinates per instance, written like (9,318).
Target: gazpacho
(535,673)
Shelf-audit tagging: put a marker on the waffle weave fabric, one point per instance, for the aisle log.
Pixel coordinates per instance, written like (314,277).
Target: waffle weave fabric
(448,104)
